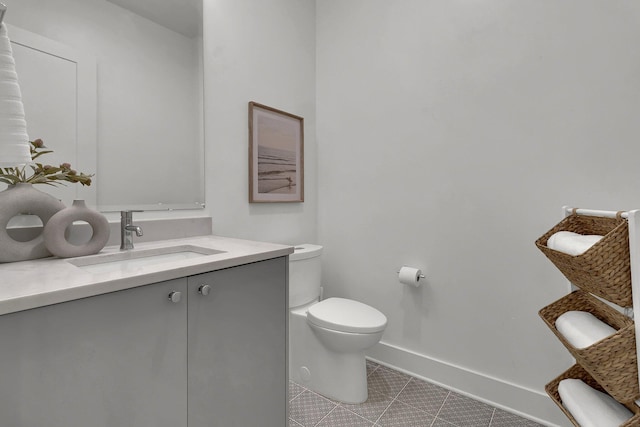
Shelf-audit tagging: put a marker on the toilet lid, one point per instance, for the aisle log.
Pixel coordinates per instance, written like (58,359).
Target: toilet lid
(345,315)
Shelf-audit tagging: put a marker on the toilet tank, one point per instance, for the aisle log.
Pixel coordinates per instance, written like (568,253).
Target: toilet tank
(304,274)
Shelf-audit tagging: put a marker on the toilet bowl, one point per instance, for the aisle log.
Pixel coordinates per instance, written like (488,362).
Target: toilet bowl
(328,338)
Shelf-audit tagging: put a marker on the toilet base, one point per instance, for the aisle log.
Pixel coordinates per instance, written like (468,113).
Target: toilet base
(338,376)
(347,384)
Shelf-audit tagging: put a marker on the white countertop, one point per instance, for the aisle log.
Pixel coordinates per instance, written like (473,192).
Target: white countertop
(30,284)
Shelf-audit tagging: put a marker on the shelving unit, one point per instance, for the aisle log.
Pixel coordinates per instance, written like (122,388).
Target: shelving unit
(610,365)
(634,254)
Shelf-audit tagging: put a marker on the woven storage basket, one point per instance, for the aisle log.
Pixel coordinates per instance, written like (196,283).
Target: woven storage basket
(577,372)
(612,361)
(604,269)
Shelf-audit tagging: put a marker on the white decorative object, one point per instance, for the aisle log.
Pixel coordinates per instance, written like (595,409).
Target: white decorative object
(572,243)
(590,407)
(14,141)
(582,329)
(54,231)
(19,199)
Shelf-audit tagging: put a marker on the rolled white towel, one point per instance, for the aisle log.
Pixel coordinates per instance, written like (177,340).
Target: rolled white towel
(572,243)
(590,407)
(582,329)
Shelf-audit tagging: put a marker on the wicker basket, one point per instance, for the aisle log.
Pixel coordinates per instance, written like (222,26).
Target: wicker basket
(604,269)
(577,372)
(612,361)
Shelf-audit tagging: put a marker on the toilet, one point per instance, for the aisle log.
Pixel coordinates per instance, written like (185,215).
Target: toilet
(328,338)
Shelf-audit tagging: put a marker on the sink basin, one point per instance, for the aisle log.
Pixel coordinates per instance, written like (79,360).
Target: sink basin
(132,260)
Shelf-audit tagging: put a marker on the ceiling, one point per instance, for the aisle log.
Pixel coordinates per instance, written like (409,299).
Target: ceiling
(181,16)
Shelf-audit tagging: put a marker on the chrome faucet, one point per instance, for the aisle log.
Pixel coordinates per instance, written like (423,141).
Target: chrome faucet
(126,227)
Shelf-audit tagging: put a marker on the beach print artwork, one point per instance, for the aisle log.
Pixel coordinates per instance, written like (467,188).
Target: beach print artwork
(275,155)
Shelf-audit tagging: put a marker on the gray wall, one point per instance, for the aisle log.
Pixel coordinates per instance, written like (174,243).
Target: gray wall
(262,51)
(450,134)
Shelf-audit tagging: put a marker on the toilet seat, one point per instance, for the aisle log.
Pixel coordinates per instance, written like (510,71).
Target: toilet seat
(345,315)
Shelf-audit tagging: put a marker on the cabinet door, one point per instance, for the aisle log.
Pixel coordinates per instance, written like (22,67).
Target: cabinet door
(117,359)
(238,347)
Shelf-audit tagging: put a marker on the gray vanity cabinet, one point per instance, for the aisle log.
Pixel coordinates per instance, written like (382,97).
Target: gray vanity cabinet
(118,359)
(213,355)
(238,346)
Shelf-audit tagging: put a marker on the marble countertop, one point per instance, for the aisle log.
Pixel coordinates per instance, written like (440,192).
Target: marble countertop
(31,284)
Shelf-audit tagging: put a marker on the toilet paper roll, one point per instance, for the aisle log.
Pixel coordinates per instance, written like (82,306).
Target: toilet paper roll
(410,276)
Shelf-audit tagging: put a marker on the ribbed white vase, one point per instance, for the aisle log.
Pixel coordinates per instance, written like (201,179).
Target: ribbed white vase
(14,141)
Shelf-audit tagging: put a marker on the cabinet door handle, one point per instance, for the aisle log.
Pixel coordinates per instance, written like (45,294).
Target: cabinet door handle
(175,296)
(204,290)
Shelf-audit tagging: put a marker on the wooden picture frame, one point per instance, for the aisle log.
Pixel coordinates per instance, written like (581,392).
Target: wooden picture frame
(276,155)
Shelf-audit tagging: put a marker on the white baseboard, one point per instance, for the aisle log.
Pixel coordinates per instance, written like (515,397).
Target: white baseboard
(532,404)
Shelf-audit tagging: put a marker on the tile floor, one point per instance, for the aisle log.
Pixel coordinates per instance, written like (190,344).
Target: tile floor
(397,400)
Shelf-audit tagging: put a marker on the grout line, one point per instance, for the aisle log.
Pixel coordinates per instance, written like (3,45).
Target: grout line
(334,403)
(493,414)
(422,410)
(333,409)
(296,395)
(373,370)
(382,413)
(293,423)
(418,408)
(357,415)
(442,405)
(392,400)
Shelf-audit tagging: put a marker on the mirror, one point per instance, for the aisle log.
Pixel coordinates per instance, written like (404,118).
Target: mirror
(147,137)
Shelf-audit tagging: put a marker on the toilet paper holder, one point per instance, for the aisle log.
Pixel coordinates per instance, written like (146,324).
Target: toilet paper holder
(421,276)
(410,276)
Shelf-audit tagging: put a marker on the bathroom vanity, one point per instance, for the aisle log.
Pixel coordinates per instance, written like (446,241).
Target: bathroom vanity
(194,342)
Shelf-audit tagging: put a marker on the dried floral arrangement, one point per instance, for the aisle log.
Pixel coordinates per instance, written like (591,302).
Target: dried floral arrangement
(42,173)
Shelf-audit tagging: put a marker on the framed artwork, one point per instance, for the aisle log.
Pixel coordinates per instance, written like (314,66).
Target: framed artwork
(276,155)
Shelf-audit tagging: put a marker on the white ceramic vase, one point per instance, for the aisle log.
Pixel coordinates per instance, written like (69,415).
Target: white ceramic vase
(19,199)
(55,238)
